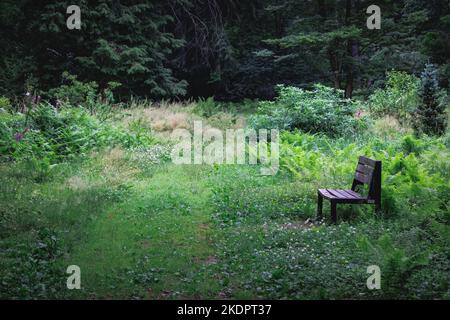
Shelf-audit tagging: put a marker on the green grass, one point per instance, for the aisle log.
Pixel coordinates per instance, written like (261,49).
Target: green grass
(153,244)
(143,229)
(146,240)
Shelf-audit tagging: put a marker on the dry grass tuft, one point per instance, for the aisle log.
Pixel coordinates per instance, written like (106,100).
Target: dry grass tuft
(389,126)
(164,117)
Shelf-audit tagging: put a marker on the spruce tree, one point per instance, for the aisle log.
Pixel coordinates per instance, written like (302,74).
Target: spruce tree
(431,117)
(122,41)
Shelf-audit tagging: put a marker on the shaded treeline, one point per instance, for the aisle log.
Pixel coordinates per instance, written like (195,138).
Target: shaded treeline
(230,49)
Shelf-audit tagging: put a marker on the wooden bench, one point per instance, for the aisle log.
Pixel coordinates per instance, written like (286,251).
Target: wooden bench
(368,173)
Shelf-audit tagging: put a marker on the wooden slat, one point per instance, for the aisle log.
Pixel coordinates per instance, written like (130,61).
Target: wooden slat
(367,161)
(362,178)
(334,193)
(343,195)
(331,193)
(326,193)
(355,194)
(362,168)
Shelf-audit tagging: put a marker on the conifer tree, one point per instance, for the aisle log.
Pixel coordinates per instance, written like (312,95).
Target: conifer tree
(430,115)
(123,41)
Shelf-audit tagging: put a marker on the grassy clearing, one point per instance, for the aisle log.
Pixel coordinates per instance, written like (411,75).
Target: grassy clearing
(152,244)
(134,234)
(142,228)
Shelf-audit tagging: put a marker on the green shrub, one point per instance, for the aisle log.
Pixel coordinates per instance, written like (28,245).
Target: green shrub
(5,104)
(50,135)
(322,110)
(85,94)
(399,99)
(10,127)
(74,92)
(412,145)
(207,108)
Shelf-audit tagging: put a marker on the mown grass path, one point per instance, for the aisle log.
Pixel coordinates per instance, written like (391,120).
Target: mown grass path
(155,244)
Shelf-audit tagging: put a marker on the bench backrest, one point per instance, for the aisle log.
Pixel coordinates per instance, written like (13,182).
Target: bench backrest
(368,172)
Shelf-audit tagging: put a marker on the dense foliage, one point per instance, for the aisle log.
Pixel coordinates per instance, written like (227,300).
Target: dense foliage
(118,42)
(45,136)
(320,110)
(399,98)
(230,49)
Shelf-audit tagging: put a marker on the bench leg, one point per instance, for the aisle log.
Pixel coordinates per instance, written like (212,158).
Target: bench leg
(333,212)
(378,208)
(319,205)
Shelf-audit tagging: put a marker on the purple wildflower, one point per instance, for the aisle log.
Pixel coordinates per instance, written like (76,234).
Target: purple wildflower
(36,99)
(18,136)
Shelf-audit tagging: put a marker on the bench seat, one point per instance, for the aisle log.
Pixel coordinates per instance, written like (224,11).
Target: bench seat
(347,196)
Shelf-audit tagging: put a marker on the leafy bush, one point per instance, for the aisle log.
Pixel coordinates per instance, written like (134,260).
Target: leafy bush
(322,110)
(74,92)
(207,108)
(4,103)
(412,145)
(85,94)
(399,99)
(52,136)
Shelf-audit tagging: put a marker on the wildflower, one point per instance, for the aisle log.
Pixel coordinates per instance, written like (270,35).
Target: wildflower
(19,135)
(28,94)
(36,99)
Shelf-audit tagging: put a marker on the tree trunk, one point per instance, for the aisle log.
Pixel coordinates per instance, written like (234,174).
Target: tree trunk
(349,85)
(322,9)
(335,68)
(352,51)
